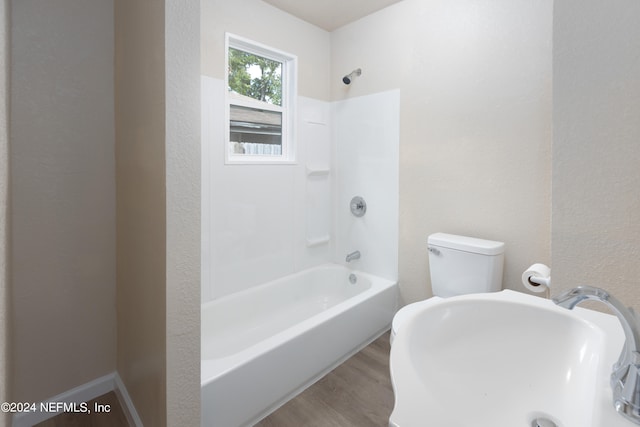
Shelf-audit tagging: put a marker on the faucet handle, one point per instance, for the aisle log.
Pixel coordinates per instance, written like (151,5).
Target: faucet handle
(625,375)
(627,390)
(358,206)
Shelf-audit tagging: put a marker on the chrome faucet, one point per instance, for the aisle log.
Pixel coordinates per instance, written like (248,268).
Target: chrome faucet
(353,255)
(625,378)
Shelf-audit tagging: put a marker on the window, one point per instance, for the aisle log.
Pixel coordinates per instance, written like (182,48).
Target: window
(261,93)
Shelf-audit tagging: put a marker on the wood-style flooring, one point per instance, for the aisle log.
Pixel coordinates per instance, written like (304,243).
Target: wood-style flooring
(114,418)
(357,393)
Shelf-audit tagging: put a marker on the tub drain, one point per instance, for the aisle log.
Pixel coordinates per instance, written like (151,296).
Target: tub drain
(353,278)
(543,422)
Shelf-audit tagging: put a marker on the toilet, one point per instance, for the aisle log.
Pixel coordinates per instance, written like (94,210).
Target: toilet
(459,265)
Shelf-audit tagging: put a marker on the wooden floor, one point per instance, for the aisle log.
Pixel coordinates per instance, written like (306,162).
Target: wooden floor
(357,393)
(114,418)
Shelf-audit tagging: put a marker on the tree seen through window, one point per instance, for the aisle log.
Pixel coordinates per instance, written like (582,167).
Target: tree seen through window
(255,76)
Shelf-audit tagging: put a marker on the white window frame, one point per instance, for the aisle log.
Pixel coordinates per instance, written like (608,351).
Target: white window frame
(288,108)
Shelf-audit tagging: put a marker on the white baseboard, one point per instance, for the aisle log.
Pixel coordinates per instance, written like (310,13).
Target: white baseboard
(127,404)
(83,393)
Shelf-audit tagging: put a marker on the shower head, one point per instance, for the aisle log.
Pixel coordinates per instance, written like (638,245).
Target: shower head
(355,73)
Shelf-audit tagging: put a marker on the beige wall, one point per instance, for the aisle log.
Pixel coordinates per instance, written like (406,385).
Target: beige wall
(475,124)
(141,205)
(596,148)
(64,201)
(158,208)
(258,21)
(62,195)
(5,365)
(182,82)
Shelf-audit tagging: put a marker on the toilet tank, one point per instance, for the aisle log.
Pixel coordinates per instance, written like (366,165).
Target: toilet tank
(463,265)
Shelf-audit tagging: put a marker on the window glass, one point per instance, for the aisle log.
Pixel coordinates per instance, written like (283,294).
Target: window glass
(260,103)
(254,76)
(256,132)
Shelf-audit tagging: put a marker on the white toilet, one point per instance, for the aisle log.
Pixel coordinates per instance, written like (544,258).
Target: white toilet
(459,265)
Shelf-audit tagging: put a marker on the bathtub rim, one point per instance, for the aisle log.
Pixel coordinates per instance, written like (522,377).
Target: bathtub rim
(212,369)
(242,293)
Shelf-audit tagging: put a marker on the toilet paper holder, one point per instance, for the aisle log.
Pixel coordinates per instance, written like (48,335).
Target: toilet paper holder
(537,278)
(540,281)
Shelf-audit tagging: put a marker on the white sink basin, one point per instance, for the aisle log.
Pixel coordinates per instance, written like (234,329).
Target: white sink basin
(502,360)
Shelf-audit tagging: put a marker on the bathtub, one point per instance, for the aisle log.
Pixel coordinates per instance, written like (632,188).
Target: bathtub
(263,346)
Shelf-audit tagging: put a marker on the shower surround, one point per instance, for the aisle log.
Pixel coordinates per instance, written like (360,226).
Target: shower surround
(269,227)
(261,222)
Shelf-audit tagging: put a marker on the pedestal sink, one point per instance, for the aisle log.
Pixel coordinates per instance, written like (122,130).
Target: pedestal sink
(504,359)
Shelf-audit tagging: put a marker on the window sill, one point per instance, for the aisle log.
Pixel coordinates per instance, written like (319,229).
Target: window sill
(258,160)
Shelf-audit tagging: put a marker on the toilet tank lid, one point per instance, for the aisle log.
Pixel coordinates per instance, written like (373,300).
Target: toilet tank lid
(467,244)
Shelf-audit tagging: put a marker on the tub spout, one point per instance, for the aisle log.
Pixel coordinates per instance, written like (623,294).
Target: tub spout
(353,255)
(625,378)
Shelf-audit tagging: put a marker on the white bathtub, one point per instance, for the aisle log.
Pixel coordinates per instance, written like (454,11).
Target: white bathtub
(262,346)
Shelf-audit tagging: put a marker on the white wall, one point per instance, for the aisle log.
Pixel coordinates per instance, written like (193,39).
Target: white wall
(259,213)
(475,122)
(268,221)
(257,218)
(366,133)
(62,195)
(262,222)
(596,72)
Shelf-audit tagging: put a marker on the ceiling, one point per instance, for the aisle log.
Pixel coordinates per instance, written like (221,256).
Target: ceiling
(330,14)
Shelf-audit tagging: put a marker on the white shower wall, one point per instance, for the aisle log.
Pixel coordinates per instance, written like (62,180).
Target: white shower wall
(262,222)
(366,137)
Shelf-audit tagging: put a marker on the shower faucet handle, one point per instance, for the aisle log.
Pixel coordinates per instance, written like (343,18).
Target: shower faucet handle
(358,206)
